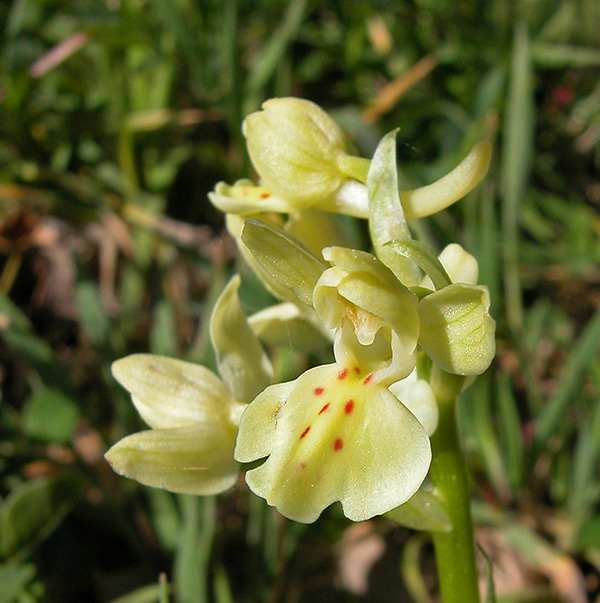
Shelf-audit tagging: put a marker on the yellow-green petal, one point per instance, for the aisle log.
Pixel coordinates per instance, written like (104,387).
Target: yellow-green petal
(197,459)
(294,146)
(338,437)
(287,326)
(172,393)
(244,198)
(241,360)
(285,259)
(435,197)
(417,396)
(457,331)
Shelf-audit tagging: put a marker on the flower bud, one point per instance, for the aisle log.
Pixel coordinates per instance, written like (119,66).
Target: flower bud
(296,149)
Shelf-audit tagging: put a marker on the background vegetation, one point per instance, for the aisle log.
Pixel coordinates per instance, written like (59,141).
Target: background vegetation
(118,116)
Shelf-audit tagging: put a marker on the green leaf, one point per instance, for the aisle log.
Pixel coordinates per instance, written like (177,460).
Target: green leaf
(34,509)
(91,312)
(490,595)
(50,415)
(146,594)
(422,512)
(580,358)
(517,156)
(14,579)
(588,535)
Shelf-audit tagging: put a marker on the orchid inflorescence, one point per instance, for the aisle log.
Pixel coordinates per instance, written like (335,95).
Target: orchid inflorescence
(357,430)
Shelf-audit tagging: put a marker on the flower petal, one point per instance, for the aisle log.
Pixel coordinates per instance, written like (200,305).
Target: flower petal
(457,331)
(255,440)
(172,393)
(417,396)
(286,261)
(294,146)
(430,199)
(286,325)
(244,198)
(197,459)
(241,360)
(338,437)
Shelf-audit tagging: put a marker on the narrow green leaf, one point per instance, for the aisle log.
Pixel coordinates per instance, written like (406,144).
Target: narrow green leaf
(517,154)
(564,56)
(511,432)
(490,594)
(91,312)
(146,594)
(163,336)
(34,509)
(582,356)
(266,63)
(190,572)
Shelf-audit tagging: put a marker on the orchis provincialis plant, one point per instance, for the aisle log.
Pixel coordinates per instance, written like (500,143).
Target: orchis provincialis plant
(407,328)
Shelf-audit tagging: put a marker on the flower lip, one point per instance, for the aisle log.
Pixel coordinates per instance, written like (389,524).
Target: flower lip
(334,434)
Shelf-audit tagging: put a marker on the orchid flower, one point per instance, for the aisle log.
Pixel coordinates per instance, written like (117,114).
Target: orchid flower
(300,155)
(194,414)
(334,434)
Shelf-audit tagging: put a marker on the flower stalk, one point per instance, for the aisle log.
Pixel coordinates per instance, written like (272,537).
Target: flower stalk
(454,550)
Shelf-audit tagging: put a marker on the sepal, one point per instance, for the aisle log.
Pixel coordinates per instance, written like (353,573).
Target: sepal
(457,331)
(294,146)
(244,198)
(197,459)
(172,393)
(284,259)
(241,360)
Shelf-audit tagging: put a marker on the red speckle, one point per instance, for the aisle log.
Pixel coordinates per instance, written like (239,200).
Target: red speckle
(305,432)
(367,379)
(265,195)
(338,444)
(302,465)
(324,408)
(357,370)
(349,407)
(319,391)
(342,374)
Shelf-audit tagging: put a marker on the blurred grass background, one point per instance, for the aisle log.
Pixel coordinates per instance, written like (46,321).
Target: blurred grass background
(118,116)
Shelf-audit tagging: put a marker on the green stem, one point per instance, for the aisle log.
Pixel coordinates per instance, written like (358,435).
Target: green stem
(455,550)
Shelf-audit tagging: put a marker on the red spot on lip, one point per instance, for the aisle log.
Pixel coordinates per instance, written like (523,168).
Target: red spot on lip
(302,465)
(324,408)
(338,444)
(319,391)
(357,370)
(349,407)
(305,432)
(342,374)
(367,379)
(265,195)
